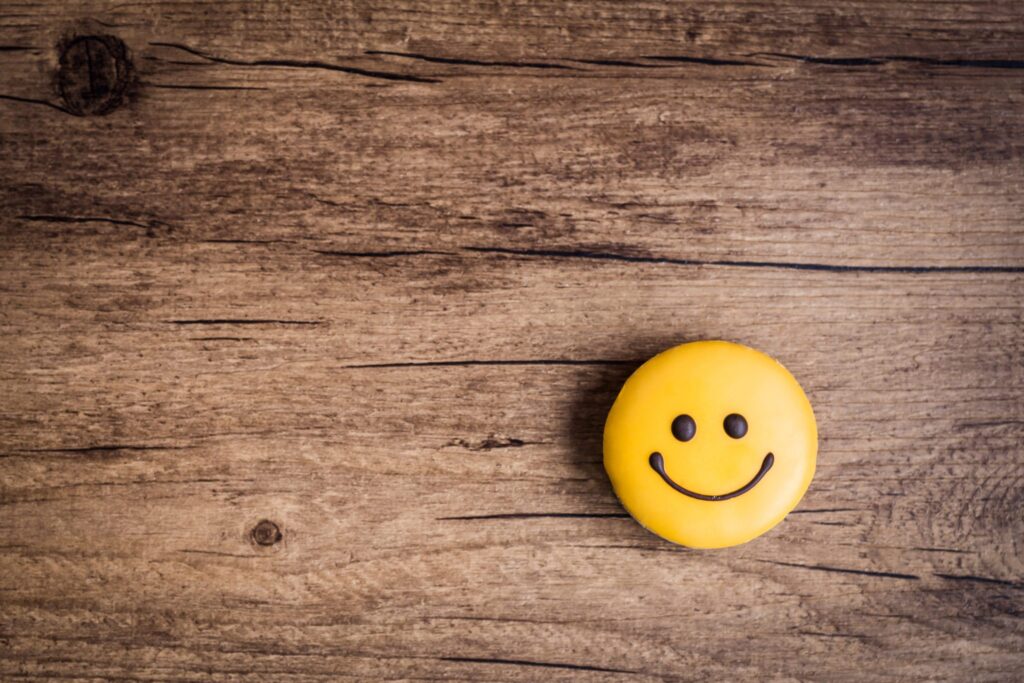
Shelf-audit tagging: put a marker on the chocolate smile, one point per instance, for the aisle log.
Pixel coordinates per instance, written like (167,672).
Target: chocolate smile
(658,465)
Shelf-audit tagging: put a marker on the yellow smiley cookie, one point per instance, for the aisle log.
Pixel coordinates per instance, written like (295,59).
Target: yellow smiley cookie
(710,444)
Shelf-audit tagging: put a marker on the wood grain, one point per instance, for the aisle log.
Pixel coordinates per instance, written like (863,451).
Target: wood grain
(308,342)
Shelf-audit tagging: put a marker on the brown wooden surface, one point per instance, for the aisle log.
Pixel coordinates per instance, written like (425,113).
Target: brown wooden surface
(307,344)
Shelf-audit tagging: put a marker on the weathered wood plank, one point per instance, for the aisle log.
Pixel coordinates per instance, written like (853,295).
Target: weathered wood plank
(372,276)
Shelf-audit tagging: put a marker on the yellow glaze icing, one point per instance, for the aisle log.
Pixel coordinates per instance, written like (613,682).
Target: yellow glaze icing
(708,381)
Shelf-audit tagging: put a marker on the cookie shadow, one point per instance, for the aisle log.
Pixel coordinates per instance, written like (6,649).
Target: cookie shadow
(596,392)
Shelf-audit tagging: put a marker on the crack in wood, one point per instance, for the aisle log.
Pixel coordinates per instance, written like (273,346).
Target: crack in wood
(706,61)
(620,62)
(469,62)
(383,254)
(989,423)
(298,64)
(490,443)
(843,570)
(469,363)
(884,59)
(29,100)
(532,663)
(178,62)
(498,620)
(104,448)
(981,579)
(538,515)
(48,218)
(242,321)
(830,61)
(824,267)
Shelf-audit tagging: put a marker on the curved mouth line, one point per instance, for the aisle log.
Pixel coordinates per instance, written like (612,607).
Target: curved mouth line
(658,465)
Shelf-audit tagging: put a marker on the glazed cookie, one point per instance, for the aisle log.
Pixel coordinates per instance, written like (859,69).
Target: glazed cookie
(710,444)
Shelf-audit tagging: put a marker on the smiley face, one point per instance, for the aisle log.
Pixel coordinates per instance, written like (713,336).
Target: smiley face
(710,444)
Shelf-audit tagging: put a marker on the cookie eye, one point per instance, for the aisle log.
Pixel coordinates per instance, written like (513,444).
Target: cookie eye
(735,425)
(683,427)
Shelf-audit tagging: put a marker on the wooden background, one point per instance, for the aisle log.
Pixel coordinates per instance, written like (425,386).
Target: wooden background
(308,341)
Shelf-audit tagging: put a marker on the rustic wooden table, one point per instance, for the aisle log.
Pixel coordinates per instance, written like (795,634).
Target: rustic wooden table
(311,314)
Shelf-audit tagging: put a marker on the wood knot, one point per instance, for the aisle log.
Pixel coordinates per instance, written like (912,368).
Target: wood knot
(94,74)
(265,533)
